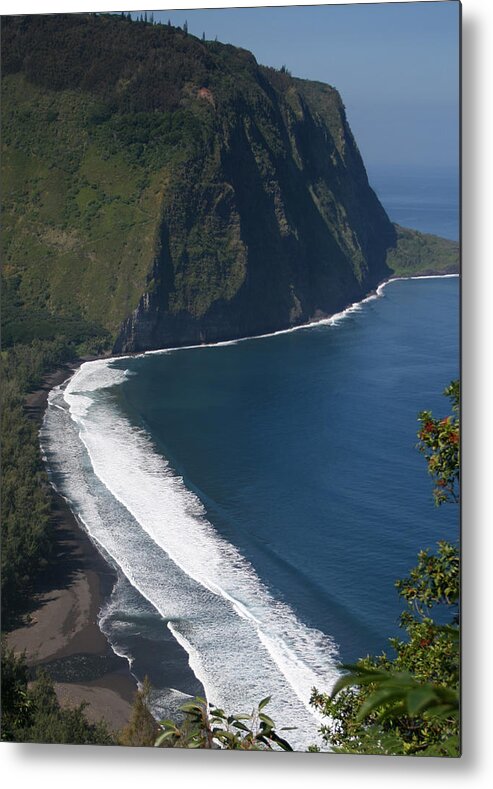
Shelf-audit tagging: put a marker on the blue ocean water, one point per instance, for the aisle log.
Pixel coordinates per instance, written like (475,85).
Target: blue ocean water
(423,199)
(302,449)
(260,498)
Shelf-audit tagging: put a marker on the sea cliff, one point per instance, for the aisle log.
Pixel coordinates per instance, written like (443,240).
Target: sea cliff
(162,190)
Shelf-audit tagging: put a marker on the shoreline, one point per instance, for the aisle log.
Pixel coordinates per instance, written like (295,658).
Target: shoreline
(60,632)
(324,321)
(63,634)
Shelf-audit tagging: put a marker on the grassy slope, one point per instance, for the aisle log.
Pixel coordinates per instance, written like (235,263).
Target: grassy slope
(87,169)
(79,226)
(422,253)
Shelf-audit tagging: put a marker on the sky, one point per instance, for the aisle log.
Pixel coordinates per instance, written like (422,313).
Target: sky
(396,66)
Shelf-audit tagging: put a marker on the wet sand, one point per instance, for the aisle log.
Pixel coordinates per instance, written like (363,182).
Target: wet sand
(61,631)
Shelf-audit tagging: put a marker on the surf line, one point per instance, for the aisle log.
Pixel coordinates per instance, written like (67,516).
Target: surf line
(286,642)
(329,320)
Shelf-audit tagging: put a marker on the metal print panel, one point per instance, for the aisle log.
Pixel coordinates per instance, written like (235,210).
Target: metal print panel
(231,361)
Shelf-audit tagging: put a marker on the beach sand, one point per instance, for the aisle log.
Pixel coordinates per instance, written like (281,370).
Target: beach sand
(61,630)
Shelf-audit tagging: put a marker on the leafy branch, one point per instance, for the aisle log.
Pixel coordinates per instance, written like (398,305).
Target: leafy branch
(439,441)
(208,726)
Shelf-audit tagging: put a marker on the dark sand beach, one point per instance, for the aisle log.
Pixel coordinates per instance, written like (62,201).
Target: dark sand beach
(61,630)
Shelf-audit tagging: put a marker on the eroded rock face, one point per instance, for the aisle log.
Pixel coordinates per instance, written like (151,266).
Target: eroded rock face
(271,225)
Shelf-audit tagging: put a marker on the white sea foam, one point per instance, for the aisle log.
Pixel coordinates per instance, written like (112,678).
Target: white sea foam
(124,459)
(330,320)
(380,289)
(243,644)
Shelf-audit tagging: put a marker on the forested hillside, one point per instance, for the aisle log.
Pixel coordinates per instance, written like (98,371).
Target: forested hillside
(159,189)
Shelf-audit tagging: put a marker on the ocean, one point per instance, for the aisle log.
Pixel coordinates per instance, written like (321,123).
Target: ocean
(423,199)
(260,498)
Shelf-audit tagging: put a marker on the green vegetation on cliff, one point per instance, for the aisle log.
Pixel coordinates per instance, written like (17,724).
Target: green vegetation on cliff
(26,534)
(163,189)
(159,189)
(422,253)
(78,227)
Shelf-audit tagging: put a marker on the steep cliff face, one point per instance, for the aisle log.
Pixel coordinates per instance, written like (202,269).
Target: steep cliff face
(260,234)
(271,224)
(246,206)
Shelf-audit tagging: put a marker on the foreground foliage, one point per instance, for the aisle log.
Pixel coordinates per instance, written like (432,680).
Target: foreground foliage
(142,728)
(409,704)
(439,443)
(32,712)
(207,726)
